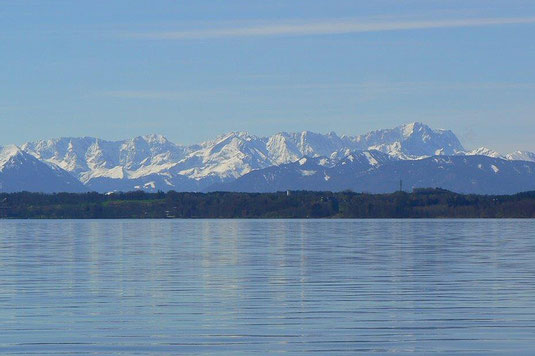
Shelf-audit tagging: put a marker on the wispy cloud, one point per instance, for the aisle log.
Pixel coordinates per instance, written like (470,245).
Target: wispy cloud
(325,28)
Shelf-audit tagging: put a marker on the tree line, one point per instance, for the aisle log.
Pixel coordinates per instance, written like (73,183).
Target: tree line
(421,203)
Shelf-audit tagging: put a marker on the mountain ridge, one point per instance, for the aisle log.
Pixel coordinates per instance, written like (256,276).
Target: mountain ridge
(376,172)
(152,162)
(20,171)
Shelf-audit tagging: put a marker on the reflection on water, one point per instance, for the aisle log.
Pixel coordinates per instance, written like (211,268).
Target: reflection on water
(272,286)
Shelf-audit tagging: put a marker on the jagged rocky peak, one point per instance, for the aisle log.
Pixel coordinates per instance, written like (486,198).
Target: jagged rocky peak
(311,143)
(7,153)
(239,135)
(521,156)
(282,148)
(69,153)
(423,131)
(230,142)
(411,140)
(484,151)
(152,143)
(153,158)
(155,138)
(371,157)
(229,155)
(226,157)
(286,147)
(21,171)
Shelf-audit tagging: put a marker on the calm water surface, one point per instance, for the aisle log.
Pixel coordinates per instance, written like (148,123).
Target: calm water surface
(238,287)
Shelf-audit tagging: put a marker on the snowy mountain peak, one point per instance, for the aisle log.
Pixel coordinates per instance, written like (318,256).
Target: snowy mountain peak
(484,151)
(513,156)
(425,133)
(228,156)
(155,162)
(521,156)
(22,171)
(370,158)
(7,153)
(9,150)
(155,138)
(410,141)
(244,135)
(408,129)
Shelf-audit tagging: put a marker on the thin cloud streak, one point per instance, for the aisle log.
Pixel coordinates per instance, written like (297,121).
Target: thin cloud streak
(325,28)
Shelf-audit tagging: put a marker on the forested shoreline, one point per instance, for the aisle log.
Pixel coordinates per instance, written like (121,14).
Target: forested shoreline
(421,203)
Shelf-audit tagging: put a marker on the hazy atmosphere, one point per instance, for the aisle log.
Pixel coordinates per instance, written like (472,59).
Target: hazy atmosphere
(193,70)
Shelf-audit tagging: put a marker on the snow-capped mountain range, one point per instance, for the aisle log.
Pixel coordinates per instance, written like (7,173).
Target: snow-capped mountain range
(154,163)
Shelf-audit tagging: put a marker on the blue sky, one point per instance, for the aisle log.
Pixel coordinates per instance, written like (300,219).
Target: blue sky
(194,69)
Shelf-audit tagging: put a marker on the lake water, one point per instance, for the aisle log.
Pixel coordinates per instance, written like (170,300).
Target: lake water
(242,287)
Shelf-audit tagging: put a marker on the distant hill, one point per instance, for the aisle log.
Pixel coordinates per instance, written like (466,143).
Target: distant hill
(374,172)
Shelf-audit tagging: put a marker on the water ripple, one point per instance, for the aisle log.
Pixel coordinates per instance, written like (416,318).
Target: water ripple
(239,287)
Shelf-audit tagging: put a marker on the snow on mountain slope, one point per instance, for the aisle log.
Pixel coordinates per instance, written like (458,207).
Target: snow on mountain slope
(85,154)
(468,174)
(304,174)
(152,162)
(513,156)
(410,141)
(287,147)
(483,151)
(98,162)
(308,173)
(521,156)
(227,157)
(20,171)
(382,174)
(89,158)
